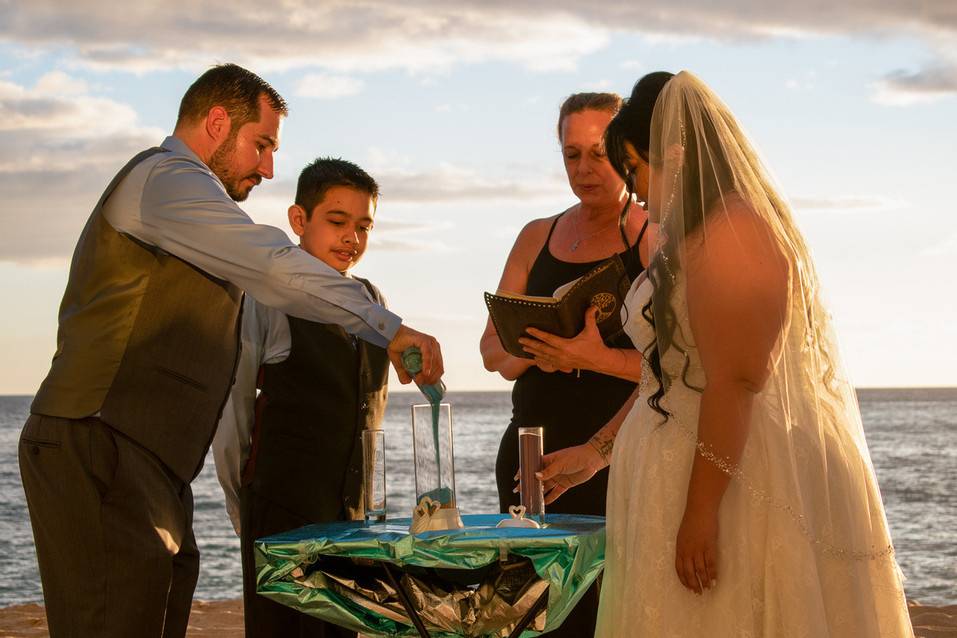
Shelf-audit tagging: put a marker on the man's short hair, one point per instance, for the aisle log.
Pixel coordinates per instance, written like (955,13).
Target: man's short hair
(233,88)
(324,173)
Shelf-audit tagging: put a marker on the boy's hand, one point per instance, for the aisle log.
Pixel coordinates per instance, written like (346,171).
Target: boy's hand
(432,366)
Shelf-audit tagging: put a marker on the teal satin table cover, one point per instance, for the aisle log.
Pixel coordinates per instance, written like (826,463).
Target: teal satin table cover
(568,553)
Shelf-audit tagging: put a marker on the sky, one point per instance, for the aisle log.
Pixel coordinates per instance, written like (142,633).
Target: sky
(452,107)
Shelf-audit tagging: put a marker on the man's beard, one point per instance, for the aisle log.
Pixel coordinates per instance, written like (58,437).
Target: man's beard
(220,162)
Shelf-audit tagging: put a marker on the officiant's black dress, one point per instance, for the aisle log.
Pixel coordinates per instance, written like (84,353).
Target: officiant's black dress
(570,408)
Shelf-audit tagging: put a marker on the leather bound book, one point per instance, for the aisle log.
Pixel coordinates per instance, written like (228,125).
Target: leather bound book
(563,314)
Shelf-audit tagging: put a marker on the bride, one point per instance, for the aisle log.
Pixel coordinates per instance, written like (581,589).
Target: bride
(742,500)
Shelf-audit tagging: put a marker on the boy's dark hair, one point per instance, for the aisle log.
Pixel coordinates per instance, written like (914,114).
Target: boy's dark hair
(233,88)
(324,173)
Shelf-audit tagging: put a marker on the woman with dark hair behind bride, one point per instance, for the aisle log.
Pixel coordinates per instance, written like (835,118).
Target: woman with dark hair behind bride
(742,500)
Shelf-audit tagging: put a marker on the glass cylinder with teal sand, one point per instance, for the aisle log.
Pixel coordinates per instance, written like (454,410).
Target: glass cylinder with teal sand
(434,465)
(432,455)
(432,450)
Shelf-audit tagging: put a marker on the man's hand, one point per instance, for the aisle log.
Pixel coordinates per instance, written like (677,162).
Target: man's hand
(564,469)
(432,366)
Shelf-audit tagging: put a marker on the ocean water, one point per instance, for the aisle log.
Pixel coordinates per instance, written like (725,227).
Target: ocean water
(912,435)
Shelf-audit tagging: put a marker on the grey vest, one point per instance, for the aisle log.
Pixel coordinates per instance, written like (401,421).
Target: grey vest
(145,339)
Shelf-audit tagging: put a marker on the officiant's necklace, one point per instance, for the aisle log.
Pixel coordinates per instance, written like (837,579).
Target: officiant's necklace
(580,239)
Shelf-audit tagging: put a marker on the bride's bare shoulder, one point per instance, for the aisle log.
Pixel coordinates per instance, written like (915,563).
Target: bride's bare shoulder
(737,235)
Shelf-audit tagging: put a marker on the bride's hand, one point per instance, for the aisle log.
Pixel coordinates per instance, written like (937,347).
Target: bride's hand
(552,352)
(564,469)
(696,555)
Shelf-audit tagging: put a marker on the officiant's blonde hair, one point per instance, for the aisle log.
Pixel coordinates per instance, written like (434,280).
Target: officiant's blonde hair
(578,102)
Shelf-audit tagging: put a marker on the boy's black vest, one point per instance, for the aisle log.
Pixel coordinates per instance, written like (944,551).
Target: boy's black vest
(314,405)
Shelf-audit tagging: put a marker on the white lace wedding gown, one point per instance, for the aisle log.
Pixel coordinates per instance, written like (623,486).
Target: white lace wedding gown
(775,580)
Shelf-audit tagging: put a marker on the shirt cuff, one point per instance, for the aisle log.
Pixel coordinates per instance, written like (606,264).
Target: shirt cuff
(385,323)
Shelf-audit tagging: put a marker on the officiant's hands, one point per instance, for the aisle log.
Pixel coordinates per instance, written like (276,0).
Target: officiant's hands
(432,365)
(552,352)
(564,469)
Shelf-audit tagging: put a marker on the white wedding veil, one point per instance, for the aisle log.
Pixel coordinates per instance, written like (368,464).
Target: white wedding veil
(806,462)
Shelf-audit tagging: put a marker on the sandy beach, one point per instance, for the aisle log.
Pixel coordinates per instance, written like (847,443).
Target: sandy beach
(222,618)
(215,619)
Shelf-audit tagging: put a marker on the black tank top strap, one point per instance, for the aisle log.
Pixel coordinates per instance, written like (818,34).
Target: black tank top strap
(641,233)
(632,256)
(552,230)
(544,264)
(637,246)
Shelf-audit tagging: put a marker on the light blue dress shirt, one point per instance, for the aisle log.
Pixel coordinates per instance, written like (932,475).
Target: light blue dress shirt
(174,202)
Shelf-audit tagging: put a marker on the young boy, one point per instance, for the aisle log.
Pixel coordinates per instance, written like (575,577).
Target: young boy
(293,456)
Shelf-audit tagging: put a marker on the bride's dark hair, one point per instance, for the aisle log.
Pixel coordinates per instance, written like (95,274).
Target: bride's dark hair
(706,177)
(632,124)
(699,190)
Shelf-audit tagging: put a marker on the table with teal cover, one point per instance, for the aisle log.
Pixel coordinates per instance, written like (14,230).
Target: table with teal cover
(366,577)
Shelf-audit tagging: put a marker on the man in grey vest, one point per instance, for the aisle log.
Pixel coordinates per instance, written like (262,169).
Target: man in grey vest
(146,353)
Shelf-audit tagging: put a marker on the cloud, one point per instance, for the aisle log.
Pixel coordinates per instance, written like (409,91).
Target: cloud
(452,184)
(57,103)
(947,246)
(269,202)
(507,232)
(903,88)
(804,83)
(403,183)
(443,318)
(390,244)
(442,189)
(850,204)
(396,226)
(58,83)
(602,85)
(396,235)
(65,144)
(323,86)
(429,36)
(735,19)
(340,36)
(62,146)
(444,184)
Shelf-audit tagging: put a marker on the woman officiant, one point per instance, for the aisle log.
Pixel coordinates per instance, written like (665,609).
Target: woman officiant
(570,404)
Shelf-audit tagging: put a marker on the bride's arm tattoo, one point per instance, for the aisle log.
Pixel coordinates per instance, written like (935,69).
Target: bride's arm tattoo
(604,443)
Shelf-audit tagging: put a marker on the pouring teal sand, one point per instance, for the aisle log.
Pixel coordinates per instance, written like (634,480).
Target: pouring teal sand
(412,362)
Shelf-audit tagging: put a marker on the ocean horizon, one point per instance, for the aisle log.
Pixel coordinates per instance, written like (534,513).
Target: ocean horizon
(911,433)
